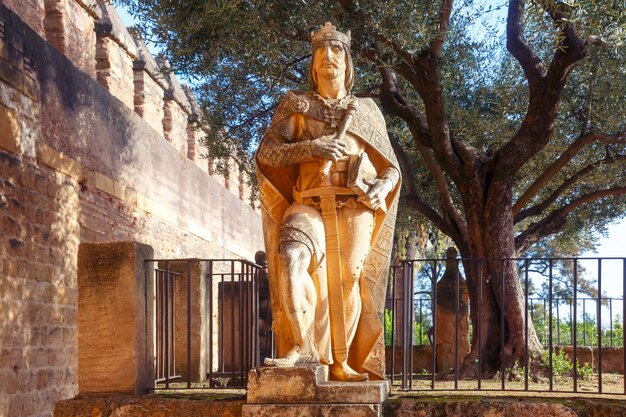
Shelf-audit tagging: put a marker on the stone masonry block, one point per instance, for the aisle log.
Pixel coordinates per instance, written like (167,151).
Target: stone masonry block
(310,384)
(69,27)
(149,100)
(175,126)
(10,74)
(114,353)
(114,67)
(321,410)
(62,163)
(9,130)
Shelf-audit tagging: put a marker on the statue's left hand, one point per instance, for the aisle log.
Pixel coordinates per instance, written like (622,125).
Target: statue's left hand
(375,196)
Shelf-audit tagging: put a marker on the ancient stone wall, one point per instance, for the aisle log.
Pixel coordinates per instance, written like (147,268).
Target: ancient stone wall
(84,159)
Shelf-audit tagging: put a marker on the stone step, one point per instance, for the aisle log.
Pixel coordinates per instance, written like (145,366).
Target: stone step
(312,410)
(310,385)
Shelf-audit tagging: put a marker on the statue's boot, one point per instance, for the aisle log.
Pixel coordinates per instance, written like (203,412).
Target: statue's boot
(342,372)
(293,358)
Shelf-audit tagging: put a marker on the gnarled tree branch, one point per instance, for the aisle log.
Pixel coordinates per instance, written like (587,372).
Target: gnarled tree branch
(561,161)
(517,46)
(444,19)
(539,208)
(557,218)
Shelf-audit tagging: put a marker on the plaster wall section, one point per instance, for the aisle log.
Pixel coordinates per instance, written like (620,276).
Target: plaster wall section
(69,27)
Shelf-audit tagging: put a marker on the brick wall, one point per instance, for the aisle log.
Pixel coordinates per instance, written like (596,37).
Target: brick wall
(80,164)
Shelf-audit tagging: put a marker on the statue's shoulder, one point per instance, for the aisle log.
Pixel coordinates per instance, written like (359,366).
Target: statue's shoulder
(368,104)
(295,102)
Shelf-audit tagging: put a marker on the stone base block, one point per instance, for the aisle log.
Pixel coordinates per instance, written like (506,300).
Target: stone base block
(310,384)
(311,410)
(306,391)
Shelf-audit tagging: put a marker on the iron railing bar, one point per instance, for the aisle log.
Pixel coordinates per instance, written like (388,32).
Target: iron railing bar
(394,325)
(611,321)
(434,312)
(210,315)
(584,322)
(188,324)
(242,328)
(411,327)
(173,323)
(232,322)
(574,326)
(166,308)
(502,324)
(558,324)
(526,325)
(479,325)
(456,329)
(623,320)
(550,325)
(599,318)
(222,336)
(405,303)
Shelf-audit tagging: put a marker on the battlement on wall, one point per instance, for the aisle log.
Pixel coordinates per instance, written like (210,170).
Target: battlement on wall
(92,36)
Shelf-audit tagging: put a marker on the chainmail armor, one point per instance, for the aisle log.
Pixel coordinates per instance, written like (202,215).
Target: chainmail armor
(277,154)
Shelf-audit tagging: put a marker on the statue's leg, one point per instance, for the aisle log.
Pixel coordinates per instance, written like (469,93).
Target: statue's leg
(298,252)
(297,292)
(356,227)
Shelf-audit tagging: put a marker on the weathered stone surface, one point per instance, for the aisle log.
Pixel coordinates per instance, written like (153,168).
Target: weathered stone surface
(148,406)
(312,410)
(69,27)
(113,348)
(310,385)
(9,130)
(443,406)
(114,69)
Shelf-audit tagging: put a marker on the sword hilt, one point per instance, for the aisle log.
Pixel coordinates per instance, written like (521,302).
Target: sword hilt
(324,172)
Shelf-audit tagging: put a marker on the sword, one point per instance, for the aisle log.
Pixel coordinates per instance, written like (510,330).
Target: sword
(328,205)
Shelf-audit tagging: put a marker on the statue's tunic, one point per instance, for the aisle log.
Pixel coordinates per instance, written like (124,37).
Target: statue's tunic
(302,117)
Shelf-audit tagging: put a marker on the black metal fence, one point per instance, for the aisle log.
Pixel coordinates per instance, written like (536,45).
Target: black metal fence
(582,337)
(212,324)
(211,319)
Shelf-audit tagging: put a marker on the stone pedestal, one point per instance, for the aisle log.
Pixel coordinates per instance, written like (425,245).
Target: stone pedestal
(306,391)
(115,352)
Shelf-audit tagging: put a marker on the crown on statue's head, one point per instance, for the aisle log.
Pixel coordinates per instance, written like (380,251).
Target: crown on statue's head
(328,32)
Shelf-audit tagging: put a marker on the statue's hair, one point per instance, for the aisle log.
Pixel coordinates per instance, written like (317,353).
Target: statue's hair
(349,79)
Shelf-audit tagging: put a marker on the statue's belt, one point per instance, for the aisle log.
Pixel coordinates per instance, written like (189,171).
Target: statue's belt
(311,197)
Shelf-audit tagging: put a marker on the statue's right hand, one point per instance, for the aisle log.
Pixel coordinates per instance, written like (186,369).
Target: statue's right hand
(329,147)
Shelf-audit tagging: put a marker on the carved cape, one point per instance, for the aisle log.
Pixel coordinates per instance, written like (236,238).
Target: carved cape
(367,353)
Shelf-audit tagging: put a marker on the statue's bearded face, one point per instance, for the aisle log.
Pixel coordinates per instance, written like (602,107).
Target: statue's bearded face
(329,60)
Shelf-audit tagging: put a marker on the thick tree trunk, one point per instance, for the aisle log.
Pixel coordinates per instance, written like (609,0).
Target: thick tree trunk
(496,295)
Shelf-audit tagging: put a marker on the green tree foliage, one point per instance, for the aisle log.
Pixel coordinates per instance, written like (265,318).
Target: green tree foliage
(243,55)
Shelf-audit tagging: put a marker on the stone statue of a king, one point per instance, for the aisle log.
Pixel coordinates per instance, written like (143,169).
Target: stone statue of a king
(328,183)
